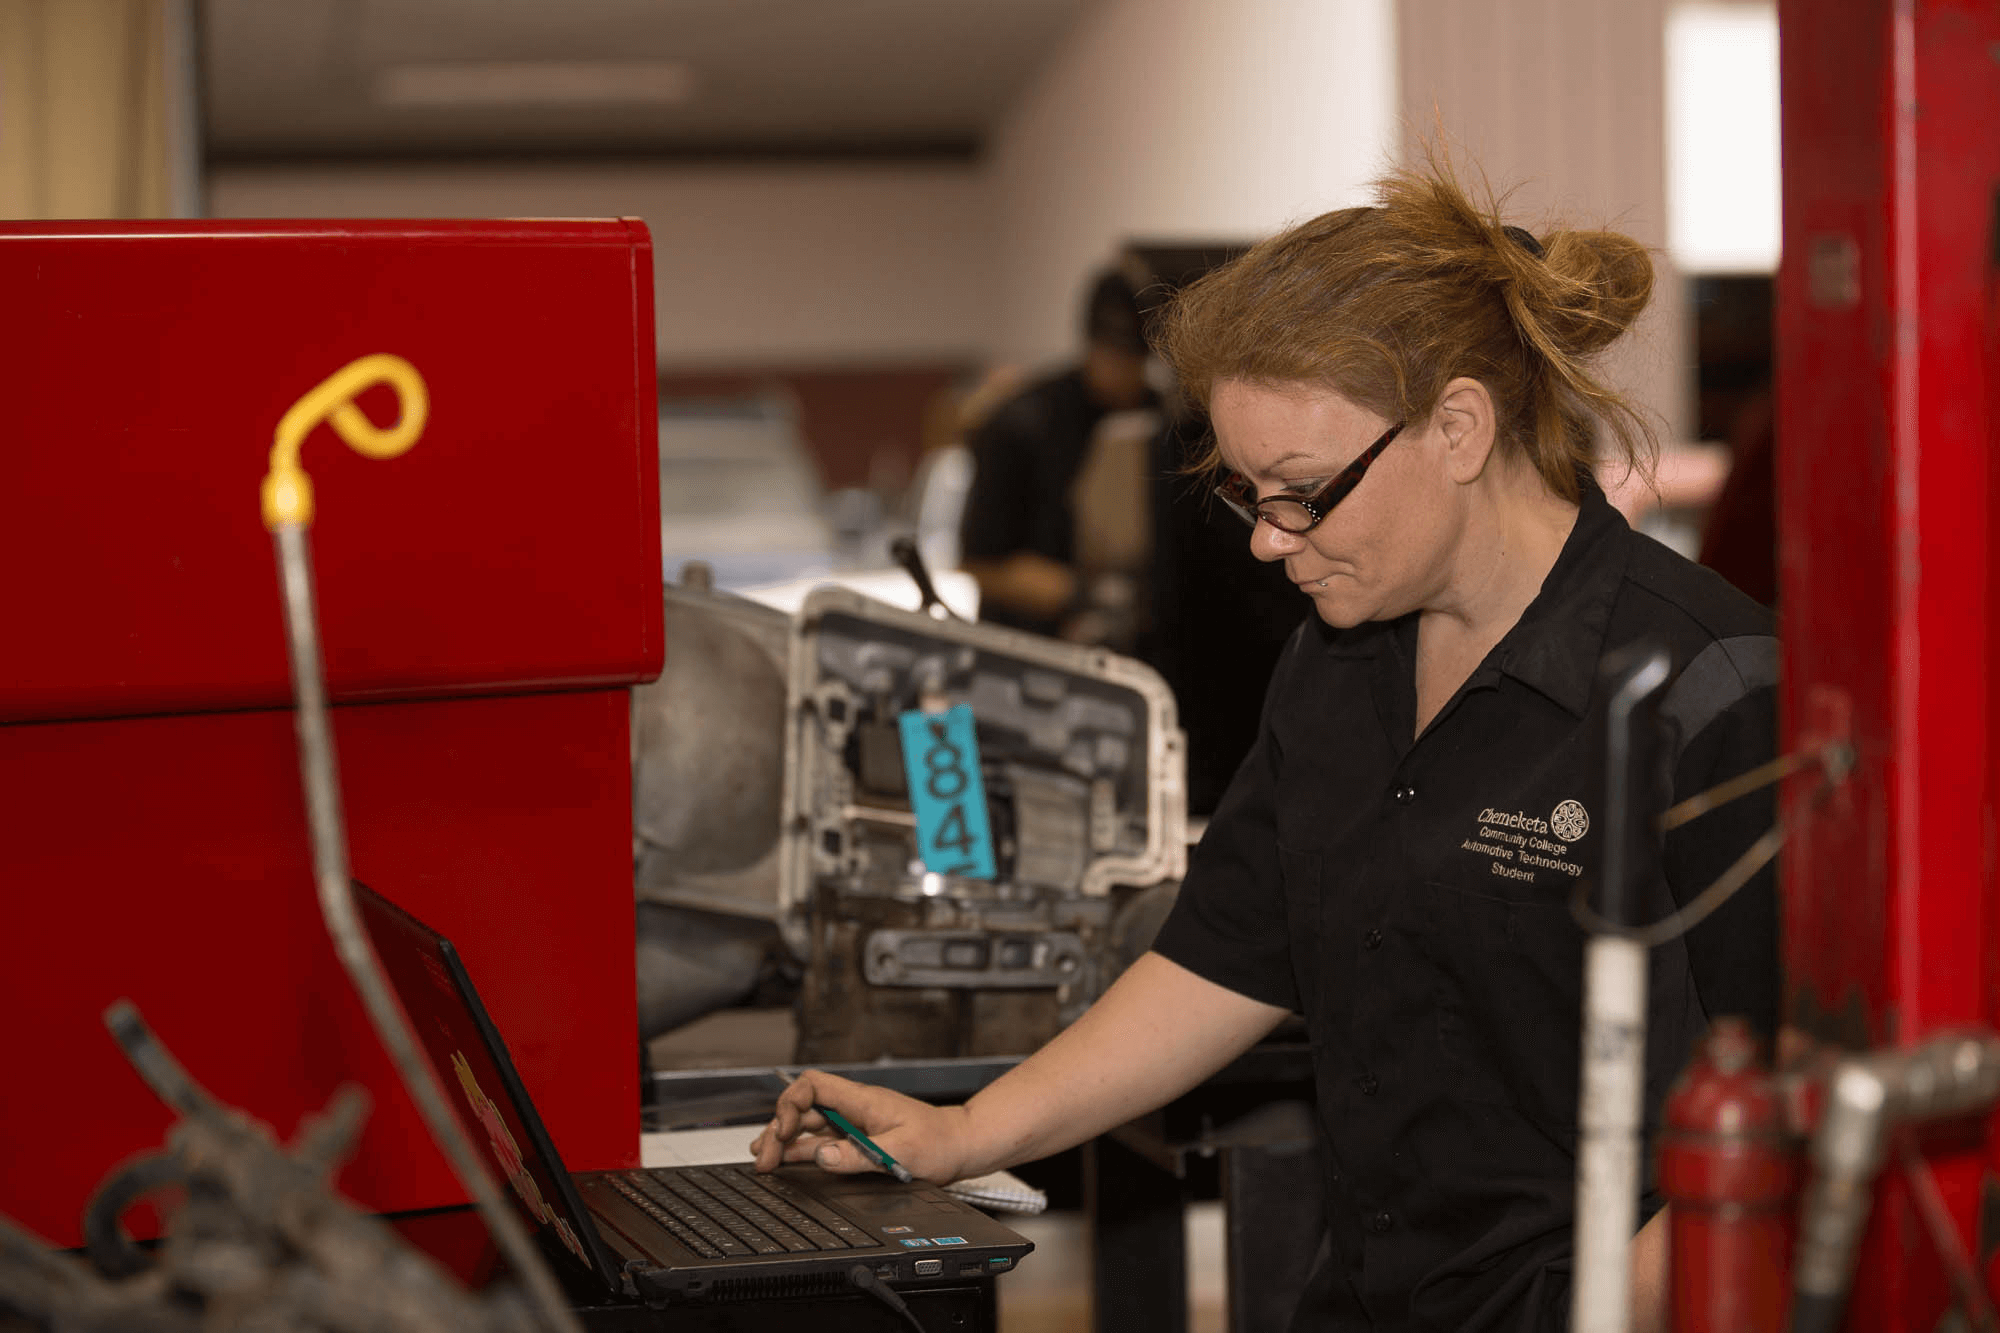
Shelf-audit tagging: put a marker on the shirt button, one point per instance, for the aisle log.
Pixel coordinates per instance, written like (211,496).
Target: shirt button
(1368,1084)
(1403,795)
(1372,940)
(1381,1224)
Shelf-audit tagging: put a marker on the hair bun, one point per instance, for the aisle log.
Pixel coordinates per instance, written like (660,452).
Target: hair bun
(1597,283)
(1524,238)
(1386,305)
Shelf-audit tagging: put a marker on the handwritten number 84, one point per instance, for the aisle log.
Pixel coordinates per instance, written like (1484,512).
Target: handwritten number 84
(945,779)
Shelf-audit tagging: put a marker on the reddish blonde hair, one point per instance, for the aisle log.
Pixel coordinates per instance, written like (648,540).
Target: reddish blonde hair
(1388,304)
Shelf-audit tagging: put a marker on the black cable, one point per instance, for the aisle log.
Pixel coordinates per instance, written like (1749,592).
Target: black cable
(1740,872)
(862,1278)
(1835,761)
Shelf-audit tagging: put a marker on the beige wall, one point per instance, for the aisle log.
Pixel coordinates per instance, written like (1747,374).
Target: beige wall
(1565,99)
(86,102)
(1181,120)
(1160,119)
(812,266)
(1156,119)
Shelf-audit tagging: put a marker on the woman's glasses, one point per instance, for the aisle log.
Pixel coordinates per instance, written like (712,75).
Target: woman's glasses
(1302,513)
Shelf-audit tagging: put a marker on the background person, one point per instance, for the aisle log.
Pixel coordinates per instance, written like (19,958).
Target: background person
(1402,403)
(1019,536)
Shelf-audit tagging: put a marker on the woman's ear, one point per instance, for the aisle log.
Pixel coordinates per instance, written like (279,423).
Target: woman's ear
(1466,421)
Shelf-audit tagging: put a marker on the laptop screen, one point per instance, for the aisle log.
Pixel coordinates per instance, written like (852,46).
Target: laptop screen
(480,1081)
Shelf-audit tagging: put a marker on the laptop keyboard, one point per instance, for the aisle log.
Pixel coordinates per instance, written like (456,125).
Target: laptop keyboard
(728,1210)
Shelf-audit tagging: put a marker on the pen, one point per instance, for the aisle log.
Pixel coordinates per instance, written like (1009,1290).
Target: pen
(861,1141)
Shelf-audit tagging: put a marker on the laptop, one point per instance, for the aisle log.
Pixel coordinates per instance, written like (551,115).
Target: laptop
(712,1233)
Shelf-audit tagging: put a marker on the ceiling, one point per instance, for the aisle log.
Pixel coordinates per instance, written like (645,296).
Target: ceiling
(293,80)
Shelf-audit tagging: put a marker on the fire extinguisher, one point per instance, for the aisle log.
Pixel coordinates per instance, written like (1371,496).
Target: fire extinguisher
(1730,1169)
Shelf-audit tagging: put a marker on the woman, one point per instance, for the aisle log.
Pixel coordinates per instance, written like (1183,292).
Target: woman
(1403,410)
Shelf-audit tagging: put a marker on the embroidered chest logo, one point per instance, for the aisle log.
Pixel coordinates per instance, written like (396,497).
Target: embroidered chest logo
(1570,821)
(1518,845)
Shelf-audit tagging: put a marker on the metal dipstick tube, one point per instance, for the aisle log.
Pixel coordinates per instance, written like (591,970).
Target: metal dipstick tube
(288,510)
(1614,1008)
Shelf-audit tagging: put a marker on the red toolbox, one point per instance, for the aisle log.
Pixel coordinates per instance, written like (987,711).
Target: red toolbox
(484,601)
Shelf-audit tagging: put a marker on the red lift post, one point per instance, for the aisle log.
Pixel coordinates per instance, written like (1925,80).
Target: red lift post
(1891,158)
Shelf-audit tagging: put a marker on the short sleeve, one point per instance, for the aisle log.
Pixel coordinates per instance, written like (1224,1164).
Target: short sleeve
(1734,954)
(1228,924)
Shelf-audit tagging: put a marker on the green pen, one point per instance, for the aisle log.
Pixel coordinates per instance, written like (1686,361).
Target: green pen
(861,1141)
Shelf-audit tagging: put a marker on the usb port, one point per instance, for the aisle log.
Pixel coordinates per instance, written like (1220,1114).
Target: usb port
(930,1268)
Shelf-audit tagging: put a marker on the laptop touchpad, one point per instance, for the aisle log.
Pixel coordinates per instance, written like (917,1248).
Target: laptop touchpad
(884,1203)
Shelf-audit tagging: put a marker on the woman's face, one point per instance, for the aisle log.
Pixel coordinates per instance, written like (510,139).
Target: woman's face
(1385,550)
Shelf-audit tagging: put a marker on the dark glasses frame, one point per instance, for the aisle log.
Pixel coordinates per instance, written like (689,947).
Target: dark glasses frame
(1317,505)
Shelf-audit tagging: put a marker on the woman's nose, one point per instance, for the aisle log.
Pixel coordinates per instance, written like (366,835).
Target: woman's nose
(1268,543)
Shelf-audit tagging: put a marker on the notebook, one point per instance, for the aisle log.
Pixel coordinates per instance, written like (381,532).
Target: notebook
(716,1233)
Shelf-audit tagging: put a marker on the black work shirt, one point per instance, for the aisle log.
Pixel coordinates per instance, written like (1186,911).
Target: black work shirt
(1026,458)
(1409,896)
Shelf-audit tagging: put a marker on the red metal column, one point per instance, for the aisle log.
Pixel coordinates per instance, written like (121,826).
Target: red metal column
(1891,160)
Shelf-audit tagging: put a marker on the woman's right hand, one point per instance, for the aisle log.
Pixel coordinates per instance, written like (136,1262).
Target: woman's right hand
(927,1140)
(1157,1032)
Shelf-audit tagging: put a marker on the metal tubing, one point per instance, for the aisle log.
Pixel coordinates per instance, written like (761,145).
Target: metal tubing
(1867,1096)
(1607,1168)
(1614,1017)
(318,772)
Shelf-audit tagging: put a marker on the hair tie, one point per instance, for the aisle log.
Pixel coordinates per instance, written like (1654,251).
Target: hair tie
(1523,238)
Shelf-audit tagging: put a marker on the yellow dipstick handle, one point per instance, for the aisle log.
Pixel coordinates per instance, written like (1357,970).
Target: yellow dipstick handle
(287,492)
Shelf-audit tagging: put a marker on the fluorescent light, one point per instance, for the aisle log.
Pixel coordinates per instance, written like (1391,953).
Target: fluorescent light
(536,83)
(1722,138)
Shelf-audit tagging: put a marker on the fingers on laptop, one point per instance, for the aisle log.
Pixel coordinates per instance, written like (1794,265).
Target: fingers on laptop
(794,1116)
(799,1133)
(840,1155)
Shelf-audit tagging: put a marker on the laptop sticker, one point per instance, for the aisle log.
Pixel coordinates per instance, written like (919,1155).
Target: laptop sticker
(439,977)
(508,1153)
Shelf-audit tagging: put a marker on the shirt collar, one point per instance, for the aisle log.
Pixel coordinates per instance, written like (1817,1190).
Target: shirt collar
(1555,646)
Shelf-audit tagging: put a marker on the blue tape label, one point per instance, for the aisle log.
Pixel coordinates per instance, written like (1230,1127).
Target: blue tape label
(948,1240)
(941,760)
